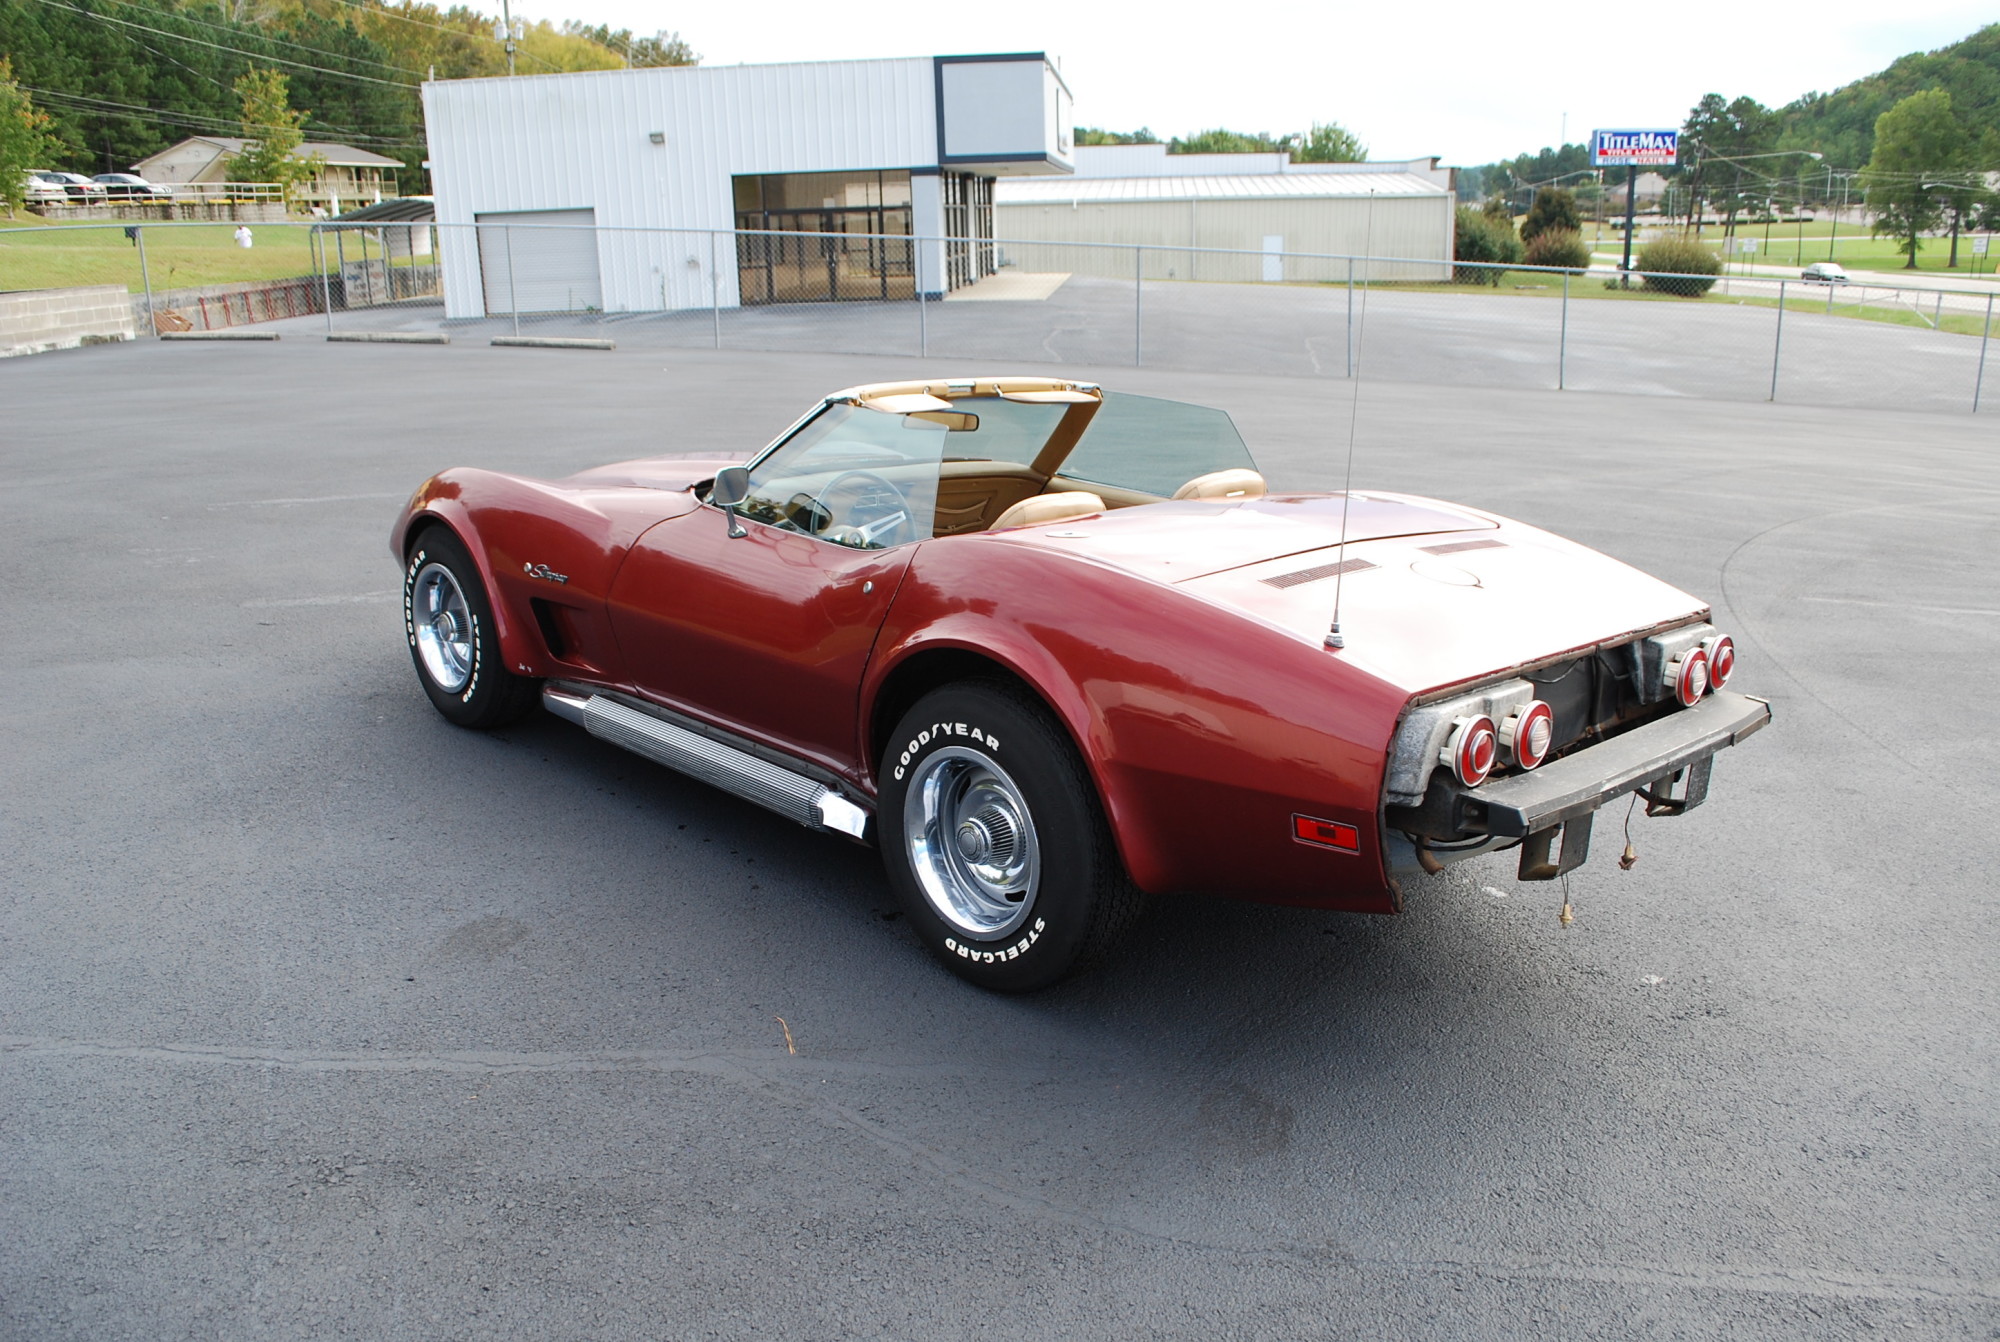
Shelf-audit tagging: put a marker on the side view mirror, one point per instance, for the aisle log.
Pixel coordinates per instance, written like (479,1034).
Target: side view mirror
(731,487)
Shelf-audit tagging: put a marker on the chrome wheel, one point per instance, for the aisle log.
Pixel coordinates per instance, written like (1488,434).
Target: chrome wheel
(972,842)
(442,624)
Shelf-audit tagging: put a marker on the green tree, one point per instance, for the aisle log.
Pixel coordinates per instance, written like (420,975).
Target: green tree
(1485,243)
(272,134)
(1554,209)
(1917,142)
(1097,135)
(1715,137)
(1220,141)
(640,53)
(1329,142)
(25,142)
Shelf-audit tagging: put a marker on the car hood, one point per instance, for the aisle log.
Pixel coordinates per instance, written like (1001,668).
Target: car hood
(1433,594)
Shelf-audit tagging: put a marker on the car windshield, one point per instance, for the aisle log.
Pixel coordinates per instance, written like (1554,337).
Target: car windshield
(853,476)
(1154,446)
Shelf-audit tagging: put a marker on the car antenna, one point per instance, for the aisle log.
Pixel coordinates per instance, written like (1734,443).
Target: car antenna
(1334,638)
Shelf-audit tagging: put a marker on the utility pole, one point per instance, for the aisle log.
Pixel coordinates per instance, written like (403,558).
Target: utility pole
(507,34)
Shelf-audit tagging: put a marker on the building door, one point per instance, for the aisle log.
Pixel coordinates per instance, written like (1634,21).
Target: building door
(539,261)
(1274,258)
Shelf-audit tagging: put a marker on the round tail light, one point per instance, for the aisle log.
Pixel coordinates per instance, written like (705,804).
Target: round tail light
(1472,750)
(1528,733)
(1687,676)
(1721,652)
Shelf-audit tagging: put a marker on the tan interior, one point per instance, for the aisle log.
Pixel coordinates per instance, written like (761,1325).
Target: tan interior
(1049,508)
(1232,484)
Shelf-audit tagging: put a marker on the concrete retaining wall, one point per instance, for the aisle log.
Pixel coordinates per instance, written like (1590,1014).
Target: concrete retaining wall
(36,320)
(220,211)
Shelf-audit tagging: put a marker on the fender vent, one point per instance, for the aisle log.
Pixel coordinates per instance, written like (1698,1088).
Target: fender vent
(1306,575)
(1460,547)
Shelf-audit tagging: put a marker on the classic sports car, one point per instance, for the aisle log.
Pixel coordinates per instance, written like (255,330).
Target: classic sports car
(1053,648)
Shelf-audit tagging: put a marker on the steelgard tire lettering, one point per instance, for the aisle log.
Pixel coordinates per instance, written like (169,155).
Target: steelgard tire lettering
(1015,951)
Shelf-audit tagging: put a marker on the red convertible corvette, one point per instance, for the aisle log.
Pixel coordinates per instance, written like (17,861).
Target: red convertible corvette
(1053,648)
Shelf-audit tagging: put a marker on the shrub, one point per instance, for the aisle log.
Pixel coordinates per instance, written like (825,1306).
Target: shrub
(1554,209)
(1561,248)
(1482,238)
(1679,266)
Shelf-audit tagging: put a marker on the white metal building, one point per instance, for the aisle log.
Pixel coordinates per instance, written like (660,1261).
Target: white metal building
(1278,217)
(743,160)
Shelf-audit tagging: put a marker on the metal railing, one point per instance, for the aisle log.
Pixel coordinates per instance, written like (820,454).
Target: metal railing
(1870,343)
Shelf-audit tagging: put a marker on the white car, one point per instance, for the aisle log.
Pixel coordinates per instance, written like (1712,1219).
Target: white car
(43,188)
(1824,272)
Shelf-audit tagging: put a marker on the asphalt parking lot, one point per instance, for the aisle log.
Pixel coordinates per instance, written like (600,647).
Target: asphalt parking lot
(319,1017)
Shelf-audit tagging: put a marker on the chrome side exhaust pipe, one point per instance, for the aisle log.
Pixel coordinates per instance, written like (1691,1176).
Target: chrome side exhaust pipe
(792,795)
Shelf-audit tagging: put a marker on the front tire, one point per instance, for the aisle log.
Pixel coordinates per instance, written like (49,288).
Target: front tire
(995,841)
(448,620)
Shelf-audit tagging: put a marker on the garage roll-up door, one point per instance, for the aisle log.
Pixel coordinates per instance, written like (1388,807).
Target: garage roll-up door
(550,269)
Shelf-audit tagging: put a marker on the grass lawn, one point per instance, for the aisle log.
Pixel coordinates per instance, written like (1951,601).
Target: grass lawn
(60,255)
(1853,247)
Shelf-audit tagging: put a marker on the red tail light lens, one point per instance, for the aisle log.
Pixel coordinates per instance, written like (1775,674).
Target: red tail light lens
(1528,733)
(1687,676)
(1472,750)
(1721,652)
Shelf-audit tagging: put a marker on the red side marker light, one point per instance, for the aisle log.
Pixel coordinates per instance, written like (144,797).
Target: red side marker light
(1721,652)
(1326,834)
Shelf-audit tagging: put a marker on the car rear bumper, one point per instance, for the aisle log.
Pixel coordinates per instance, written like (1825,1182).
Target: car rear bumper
(1580,783)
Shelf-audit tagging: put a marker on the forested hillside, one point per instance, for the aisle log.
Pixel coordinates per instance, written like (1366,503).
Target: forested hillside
(1841,124)
(121,79)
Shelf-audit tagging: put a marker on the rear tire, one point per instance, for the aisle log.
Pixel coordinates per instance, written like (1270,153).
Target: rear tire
(449,623)
(995,841)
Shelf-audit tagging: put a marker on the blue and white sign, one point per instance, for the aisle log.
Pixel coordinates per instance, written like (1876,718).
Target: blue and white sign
(1634,148)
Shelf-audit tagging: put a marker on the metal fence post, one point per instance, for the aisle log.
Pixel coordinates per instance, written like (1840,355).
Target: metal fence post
(1979,380)
(1138,310)
(1778,341)
(325,285)
(1562,340)
(1350,316)
(715,284)
(146,278)
(923,308)
(513,299)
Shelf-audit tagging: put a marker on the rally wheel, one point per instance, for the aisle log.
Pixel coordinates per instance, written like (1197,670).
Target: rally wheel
(449,622)
(994,838)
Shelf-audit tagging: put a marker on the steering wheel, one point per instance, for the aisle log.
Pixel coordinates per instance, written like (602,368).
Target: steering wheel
(890,525)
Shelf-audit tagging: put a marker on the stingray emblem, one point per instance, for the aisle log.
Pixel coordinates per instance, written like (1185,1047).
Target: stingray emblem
(544,571)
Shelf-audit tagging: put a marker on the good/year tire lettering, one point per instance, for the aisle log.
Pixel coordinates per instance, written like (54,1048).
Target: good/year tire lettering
(937,729)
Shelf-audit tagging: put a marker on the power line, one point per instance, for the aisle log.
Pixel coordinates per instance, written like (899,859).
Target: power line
(385,12)
(260,35)
(200,121)
(235,51)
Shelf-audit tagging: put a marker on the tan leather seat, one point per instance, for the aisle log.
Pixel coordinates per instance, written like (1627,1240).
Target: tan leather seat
(1048,508)
(1236,484)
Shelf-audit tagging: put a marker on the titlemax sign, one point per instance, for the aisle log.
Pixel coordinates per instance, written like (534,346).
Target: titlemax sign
(1643,148)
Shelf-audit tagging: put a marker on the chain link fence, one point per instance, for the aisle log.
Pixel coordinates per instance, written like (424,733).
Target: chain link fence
(1765,335)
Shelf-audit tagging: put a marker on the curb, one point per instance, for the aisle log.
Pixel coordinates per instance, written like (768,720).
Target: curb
(218,335)
(551,342)
(389,337)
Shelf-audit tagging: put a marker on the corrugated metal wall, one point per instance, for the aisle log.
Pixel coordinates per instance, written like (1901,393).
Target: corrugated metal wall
(1414,227)
(560,142)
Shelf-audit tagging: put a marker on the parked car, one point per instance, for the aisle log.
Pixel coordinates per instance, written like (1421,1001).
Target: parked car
(129,186)
(1824,272)
(74,185)
(44,188)
(1053,649)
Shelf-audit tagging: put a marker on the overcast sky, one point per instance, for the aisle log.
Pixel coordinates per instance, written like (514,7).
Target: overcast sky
(1436,78)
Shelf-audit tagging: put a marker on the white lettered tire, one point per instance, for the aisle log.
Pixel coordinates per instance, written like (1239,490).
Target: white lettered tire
(995,841)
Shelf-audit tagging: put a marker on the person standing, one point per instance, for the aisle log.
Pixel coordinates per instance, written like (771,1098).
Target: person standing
(243,239)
